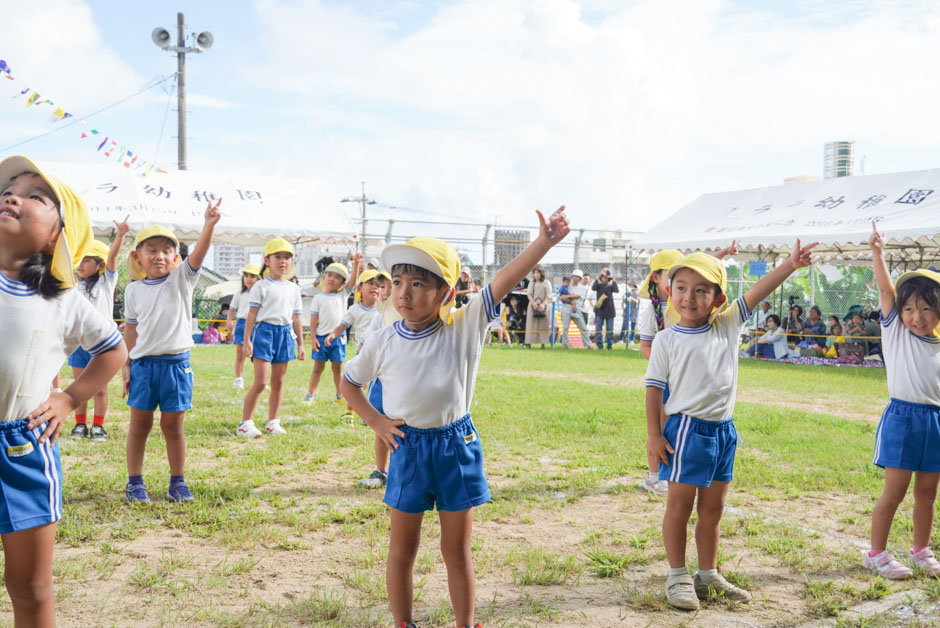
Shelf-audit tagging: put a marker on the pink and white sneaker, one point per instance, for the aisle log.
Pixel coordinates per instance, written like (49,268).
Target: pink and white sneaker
(926,561)
(887,565)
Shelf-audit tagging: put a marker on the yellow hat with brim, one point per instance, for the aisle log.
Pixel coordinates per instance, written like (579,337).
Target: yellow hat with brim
(278,245)
(364,276)
(932,275)
(134,270)
(251,269)
(98,249)
(339,269)
(431,254)
(384,273)
(75,235)
(663,260)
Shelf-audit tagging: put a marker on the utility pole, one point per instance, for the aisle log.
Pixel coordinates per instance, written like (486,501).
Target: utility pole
(363,201)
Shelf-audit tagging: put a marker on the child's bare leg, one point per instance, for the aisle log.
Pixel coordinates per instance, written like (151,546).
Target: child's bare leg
(239,360)
(896,483)
(455,548)
(101,402)
(711,505)
(257,387)
(681,498)
(925,494)
(171,423)
(403,542)
(318,367)
(278,373)
(381,454)
(137,433)
(337,375)
(82,409)
(27,573)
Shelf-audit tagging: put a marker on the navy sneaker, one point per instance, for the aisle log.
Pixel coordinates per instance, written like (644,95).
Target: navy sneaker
(79,431)
(136,493)
(98,433)
(179,492)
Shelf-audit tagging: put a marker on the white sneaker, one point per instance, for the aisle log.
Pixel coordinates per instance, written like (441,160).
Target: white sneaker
(239,382)
(274,427)
(654,485)
(248,429)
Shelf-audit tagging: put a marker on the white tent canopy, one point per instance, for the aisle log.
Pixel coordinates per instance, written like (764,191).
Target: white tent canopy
(254,208)
(836,212)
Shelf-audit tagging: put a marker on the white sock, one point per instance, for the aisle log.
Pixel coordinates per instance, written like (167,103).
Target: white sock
(672,572)
(706,575)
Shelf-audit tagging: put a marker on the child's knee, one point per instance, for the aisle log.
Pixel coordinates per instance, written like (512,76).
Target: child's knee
(30,592)
(172,427)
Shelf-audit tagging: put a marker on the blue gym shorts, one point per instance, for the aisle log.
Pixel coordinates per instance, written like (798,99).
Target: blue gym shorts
(908,437)
(79,358)
(375,395)
(441,465)
(704,450)
(164,381)
(30,478)
(273,343)
(238,338)
(336,352)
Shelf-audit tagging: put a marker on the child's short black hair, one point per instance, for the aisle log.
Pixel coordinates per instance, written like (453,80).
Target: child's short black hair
(421,273)
(919,288)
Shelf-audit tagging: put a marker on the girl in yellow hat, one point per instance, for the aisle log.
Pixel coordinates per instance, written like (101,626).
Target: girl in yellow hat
(238,310)
(907,442)
(44,231)
(98,277)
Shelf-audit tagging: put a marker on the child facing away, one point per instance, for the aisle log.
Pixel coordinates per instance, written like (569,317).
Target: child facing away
(326,311)
(44,231)
(239,311)
(158,307)
(698,359)
(275,308)
(908,438)
(98,277)
(428,363)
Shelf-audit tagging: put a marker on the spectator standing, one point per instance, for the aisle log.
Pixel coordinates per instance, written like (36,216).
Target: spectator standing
(571,309)
(604,310)
(631,309)
(537,319)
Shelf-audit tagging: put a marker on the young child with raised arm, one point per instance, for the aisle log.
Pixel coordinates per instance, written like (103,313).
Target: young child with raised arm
(97,273)
(238,311)
(908,438)
(44,231)
(158,308)
(427,363)
(698,359)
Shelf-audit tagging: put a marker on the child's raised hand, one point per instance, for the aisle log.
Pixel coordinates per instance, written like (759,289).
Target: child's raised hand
(877,240)
(122,227)
(52,411)
(213,215)
(731,249)
(802,255)
(555,228)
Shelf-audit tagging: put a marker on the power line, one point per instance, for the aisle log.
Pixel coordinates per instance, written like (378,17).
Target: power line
(169,99)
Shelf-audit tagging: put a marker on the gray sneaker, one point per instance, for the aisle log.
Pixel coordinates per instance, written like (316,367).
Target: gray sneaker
(722,588)
(680,592)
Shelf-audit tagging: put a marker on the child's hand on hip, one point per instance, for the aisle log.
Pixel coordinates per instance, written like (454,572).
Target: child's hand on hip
(387,430)
(53,412)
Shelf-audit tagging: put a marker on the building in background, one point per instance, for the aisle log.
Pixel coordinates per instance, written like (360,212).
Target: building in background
(838,159)
(509,244)
(228,259)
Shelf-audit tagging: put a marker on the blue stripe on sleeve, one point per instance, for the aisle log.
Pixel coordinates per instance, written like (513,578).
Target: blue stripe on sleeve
(351,380)
(655,383)
(742,309)
(130,321)
(190,269)
(113,340)
(491,309)
(646,338)
(887,320)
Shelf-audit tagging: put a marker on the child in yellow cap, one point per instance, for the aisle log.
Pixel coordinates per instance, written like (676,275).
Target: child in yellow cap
(908,438)
(44,231)
(158,307)
(698,359)
(238,311)
(326,312)
(273,335)
(97,273)
(427,363)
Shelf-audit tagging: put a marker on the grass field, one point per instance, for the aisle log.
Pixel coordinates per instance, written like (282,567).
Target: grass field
(280,534)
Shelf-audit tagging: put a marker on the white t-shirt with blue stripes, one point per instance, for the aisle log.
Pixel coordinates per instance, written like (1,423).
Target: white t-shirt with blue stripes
(912,362)
(277,301)
(162,309)
(329,308)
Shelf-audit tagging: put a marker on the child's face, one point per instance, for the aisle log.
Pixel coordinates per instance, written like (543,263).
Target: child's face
(694,296)
(156,256)
(369,291)
(418,300)
(87,267)
(280,264)
(919,317)
(249,279)
(385,289)
(332,281)
(857,319)
(833,321)
(837,329)
(29,216)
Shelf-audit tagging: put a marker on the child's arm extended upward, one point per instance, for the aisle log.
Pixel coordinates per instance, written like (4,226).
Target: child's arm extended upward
(880,266)
(800,258)
(198,254)
(551,232)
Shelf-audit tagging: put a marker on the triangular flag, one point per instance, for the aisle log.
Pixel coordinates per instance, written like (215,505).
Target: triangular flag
(101,145)
(32,99)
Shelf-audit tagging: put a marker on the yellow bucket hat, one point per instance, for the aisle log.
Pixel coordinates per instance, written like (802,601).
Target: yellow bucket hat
(75,235)
(364,276)
(278,245)
(251,269)
(430,254)
(662,260)
(98,249)
(932,275)
(134,269)
(335,267)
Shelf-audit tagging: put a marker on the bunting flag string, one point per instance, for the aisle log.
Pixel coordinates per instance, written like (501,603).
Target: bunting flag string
(108,148)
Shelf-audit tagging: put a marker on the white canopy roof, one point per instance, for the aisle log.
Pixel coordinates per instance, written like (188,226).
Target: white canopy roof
(836,212)
(254,208)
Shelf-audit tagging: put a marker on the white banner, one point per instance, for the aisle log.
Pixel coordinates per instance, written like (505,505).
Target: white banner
(836,212)
(254,208)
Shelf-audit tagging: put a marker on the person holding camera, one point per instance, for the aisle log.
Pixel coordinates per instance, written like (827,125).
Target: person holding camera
(604,309)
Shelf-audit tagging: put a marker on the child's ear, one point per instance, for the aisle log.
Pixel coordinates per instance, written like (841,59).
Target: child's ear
(667,288)
(134,256)
(720,300)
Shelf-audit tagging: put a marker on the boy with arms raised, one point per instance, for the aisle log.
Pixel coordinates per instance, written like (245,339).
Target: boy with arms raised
(427,363)
(698,359)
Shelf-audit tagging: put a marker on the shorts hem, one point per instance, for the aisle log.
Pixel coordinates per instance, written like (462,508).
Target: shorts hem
(162,409)
(473,503)
(885,465)
(6,527)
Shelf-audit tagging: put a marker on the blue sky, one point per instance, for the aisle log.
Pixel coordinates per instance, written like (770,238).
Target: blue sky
(625,111)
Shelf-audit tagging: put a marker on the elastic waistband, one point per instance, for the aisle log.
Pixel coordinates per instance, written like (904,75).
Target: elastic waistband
(167,357)
(273,325)
(437,432)
(14,426)
(911,404)
(713,425)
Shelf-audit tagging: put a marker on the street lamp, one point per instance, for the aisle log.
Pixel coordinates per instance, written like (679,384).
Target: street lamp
(162,38)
